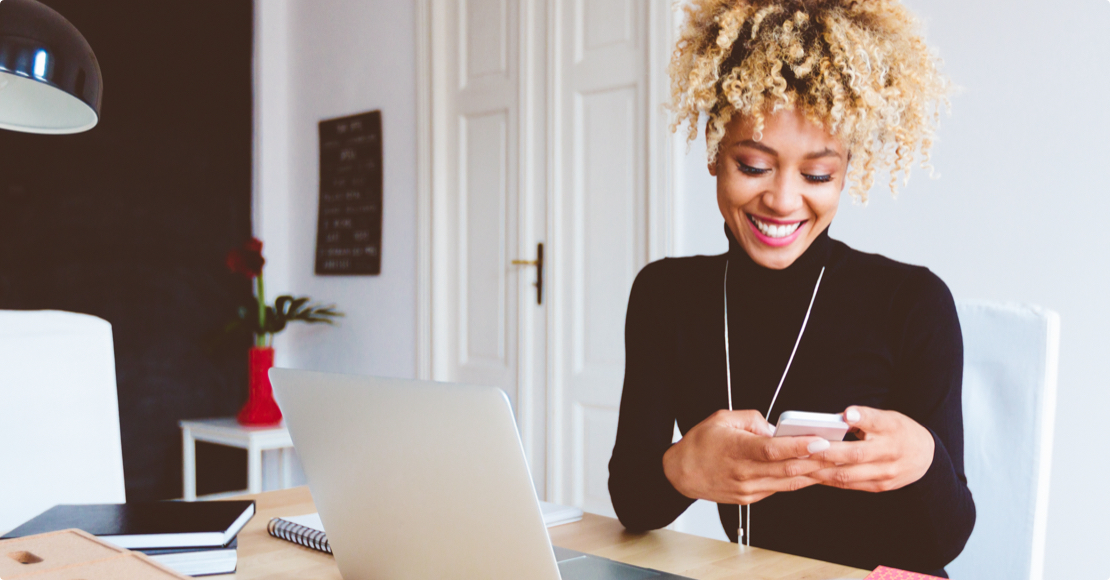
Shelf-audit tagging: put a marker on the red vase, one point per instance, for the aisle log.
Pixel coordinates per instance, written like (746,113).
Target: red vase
(261,409)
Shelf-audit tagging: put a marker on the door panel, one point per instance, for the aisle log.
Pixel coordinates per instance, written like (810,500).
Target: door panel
(481,198)
(593,426)
(540,122)
(484,321)
(605,227)
(603,23)
(601,231)
(486,26)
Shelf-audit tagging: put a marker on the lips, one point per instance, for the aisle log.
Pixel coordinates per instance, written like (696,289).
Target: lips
(773,232)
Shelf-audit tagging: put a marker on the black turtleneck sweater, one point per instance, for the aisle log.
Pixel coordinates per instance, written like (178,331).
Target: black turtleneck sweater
(881,334)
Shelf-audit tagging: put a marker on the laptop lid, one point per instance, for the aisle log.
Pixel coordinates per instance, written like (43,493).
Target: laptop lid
(416,479)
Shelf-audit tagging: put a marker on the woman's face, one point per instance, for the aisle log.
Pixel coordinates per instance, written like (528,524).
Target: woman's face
(778,194)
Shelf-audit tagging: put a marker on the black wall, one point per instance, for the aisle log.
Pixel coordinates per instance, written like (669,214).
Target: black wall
(131,221)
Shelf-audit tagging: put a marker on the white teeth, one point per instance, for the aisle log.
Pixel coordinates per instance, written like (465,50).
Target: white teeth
(775,231)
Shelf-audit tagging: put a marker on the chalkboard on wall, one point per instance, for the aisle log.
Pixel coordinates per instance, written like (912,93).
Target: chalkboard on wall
(349,223)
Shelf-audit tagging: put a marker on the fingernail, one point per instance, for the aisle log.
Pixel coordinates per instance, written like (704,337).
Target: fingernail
(851,416)
(818,446)
(769,430)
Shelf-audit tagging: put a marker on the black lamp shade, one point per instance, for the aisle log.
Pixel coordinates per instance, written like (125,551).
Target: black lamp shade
(49,77)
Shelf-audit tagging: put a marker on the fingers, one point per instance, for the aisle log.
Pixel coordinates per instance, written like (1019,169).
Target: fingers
(772,449)
(868,419)
(852,453)
(780,469)
(750,499)
(872,477)
(753,490)
(748,420)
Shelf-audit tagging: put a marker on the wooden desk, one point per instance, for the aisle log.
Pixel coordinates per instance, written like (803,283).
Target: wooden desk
(262,556)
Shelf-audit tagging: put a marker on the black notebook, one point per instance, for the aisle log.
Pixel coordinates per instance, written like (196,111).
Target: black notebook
(197,561)
(147,525)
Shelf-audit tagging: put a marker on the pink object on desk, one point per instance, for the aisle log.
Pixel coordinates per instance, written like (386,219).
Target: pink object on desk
(884,573)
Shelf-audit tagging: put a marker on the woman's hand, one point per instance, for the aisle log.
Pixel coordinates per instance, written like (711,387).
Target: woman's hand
(731,457)
(893,451)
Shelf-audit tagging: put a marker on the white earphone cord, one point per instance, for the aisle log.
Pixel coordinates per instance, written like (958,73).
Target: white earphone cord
(740,533)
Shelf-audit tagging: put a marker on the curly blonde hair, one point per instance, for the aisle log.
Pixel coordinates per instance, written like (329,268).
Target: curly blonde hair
(857,67)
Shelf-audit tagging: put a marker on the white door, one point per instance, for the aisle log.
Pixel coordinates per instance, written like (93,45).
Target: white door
(481,226)
(484,313)
(541,132)
(600,238)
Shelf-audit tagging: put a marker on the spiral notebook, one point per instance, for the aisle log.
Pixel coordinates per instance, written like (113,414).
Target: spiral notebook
(308,531)
(304,530)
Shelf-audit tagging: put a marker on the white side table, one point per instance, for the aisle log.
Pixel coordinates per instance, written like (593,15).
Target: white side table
(227,431)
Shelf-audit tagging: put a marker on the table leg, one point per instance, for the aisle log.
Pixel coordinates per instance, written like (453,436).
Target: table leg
(188,465)
(254,468)
(286,467)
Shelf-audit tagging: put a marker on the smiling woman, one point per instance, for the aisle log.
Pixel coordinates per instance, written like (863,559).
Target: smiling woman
(802,96)
(858,68)
(778,194)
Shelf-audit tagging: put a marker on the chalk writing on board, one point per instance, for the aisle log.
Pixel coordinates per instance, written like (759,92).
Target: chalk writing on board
(349,223)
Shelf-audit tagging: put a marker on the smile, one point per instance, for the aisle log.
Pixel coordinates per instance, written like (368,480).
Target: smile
(775,231)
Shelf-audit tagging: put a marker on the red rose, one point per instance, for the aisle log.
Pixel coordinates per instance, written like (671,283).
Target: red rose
(247,260)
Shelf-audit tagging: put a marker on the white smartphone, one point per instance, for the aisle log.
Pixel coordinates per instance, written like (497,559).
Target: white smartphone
(828,426)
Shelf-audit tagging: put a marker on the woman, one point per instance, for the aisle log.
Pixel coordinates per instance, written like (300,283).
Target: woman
(800,96)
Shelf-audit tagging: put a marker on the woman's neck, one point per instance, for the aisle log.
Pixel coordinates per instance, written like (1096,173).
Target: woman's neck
(809,262)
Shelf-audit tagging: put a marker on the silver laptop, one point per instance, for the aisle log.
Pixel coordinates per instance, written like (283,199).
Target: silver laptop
(416,479)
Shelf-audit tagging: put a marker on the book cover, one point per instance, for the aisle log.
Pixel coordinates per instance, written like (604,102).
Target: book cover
(234,544)
(147,525)
(197,561)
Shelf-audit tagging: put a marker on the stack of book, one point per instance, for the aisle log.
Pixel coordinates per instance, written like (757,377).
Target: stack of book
(194,538)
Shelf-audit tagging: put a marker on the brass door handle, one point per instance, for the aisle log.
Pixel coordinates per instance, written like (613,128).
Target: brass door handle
(538,263)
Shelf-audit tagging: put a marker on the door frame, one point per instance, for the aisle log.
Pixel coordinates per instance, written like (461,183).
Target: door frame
(432,150)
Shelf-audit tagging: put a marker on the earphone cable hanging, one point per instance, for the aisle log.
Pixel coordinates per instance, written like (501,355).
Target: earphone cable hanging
(743,533)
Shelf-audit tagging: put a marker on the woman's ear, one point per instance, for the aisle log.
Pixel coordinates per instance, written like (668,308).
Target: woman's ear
(713,168)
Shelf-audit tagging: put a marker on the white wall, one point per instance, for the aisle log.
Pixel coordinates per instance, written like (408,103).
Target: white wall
(317,59)
(1018,214)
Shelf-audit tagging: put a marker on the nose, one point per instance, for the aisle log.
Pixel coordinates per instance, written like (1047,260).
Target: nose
(783,197)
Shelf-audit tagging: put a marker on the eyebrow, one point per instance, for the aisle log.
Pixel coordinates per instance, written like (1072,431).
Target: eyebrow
(811,155)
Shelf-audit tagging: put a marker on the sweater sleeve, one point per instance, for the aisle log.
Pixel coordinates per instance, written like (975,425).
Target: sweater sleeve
(642,496)
(938,510)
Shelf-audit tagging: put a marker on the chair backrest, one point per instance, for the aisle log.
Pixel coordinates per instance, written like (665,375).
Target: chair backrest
(59,417)
(1009,405)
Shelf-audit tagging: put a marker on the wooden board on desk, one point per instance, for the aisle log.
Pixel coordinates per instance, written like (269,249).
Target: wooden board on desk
(263,556)
(72,553)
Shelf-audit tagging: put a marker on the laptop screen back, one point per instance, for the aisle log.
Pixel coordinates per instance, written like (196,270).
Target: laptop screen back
(416,479)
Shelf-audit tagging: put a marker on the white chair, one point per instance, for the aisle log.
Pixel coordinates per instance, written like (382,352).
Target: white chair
(59,418)
(1009,404)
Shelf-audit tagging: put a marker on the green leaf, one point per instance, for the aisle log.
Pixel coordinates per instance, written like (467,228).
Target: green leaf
(286,309)
(297,305)
(280,303)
